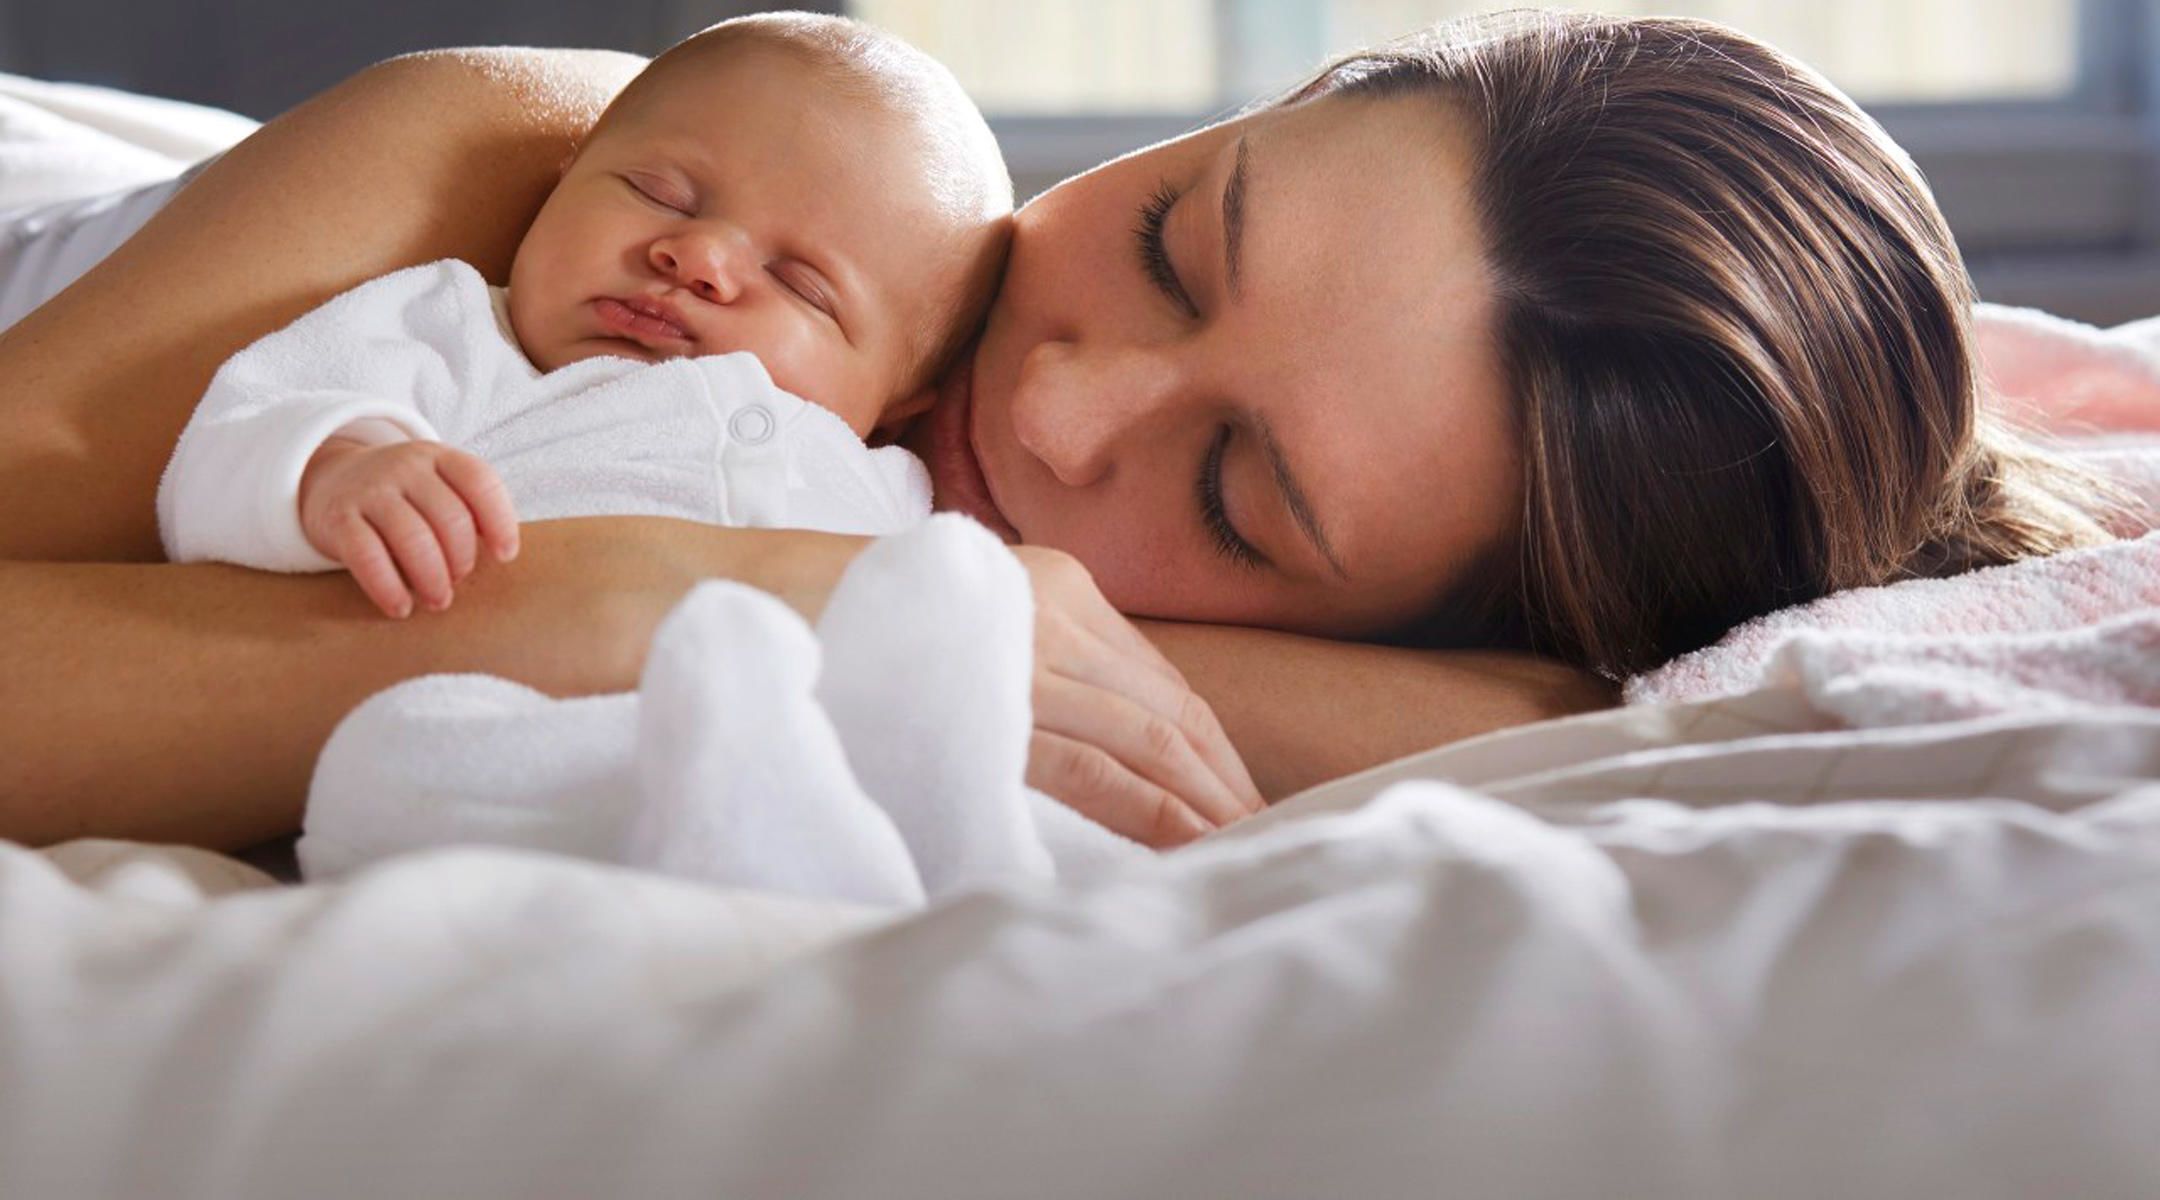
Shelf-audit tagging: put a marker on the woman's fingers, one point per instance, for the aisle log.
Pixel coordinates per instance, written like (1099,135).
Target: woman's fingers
(1132,667)
(1101,789)
(1100,684)
(1212,744)
(486,497)
(411,541)
(1156,748)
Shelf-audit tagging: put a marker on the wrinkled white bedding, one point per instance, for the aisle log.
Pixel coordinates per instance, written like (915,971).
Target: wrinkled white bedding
(1353,996)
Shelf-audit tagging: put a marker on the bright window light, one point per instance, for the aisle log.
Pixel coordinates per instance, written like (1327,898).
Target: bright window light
(1049,57)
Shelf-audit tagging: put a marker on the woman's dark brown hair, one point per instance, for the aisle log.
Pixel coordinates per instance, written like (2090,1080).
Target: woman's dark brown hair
(1736,330)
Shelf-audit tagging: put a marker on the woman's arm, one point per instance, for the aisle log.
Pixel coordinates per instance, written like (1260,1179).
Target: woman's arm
(442,155)
(187,703)
(1303,710)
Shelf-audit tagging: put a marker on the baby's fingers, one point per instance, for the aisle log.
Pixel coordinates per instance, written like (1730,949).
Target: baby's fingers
(411,541)
(363,554)
(456,537)
(486,497)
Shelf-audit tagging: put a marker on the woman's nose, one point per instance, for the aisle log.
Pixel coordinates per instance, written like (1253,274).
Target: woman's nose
(711,264)
(1076,407)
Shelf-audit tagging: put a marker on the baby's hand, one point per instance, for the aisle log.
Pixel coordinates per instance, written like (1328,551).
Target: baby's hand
(405,515)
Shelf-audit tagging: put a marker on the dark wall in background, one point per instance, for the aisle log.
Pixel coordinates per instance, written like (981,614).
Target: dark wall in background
(260,57)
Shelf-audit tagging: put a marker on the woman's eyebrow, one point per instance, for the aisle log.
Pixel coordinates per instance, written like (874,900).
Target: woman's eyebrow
(1301,510)
(1233,218)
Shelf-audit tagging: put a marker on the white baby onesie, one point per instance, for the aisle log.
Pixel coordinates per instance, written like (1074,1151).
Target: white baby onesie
(427,352)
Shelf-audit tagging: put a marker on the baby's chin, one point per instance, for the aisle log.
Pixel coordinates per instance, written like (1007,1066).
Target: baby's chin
(555,358)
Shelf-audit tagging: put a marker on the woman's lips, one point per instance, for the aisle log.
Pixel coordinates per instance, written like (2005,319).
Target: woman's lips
(641,320)
(957,469)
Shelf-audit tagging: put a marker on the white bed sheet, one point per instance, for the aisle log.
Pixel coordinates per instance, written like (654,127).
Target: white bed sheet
(1384,988)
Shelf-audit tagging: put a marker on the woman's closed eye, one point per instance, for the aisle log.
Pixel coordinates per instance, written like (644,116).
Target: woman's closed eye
(1215,517)
(1155,254)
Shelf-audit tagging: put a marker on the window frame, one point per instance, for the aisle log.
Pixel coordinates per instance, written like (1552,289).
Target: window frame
(2053,199)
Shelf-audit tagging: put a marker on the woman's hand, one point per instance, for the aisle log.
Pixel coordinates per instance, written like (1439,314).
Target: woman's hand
(1119,734)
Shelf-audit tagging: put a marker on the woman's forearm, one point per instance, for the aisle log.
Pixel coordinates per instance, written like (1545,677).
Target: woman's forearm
(188,703)
(1303,711)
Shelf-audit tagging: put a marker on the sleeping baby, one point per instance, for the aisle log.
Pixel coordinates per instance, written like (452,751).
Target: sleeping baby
(772,240)
(769,244)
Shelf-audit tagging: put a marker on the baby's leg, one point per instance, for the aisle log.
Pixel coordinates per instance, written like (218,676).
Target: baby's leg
(448,759)
(929,641)
(742,779)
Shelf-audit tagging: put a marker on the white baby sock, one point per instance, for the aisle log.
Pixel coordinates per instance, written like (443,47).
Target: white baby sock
(742,779)
(929,647)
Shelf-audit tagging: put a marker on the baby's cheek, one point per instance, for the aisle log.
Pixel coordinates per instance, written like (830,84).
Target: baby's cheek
(826,372)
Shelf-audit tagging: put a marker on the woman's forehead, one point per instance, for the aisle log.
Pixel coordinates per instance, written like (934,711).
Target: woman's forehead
(1367,321)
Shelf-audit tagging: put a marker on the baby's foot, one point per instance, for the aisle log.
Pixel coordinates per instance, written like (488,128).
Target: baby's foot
(742,779)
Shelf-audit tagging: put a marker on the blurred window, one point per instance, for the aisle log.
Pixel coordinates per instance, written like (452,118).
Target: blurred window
(1103,57)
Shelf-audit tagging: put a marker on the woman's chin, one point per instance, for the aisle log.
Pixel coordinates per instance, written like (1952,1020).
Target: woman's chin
(943,439)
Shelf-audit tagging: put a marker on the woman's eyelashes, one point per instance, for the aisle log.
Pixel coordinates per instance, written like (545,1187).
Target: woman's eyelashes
(1155,254)
(1214,517)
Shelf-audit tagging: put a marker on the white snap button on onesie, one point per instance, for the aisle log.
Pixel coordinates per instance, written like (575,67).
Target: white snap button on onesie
(752,426)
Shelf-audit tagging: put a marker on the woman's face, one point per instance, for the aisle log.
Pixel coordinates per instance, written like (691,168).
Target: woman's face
(1247,376)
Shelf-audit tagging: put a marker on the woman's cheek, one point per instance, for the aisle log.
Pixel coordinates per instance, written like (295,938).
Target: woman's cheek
(1131,565)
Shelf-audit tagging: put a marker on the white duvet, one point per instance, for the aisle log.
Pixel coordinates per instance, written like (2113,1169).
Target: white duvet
(1421,992)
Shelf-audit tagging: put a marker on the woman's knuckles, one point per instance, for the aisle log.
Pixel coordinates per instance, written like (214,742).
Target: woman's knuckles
(1195,719)
(1163,742)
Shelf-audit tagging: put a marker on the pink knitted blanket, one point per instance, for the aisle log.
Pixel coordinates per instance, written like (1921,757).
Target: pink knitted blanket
(2072,630)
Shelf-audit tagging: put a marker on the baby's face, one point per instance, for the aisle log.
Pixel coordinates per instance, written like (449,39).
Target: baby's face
(747,207)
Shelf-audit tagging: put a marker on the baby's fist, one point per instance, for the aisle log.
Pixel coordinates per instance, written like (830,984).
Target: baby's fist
(407,519)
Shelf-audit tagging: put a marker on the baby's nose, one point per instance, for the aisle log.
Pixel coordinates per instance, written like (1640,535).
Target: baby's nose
(712,266)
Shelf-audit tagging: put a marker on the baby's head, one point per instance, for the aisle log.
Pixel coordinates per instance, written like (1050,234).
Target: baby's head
(802,187)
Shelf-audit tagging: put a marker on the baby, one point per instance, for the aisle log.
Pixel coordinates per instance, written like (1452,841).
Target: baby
(770,243)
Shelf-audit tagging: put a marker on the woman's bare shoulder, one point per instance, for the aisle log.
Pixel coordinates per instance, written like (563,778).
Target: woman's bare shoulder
(493,89)
(482,131)
(440,155)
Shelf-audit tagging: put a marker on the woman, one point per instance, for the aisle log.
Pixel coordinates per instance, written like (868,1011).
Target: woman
(1594,337)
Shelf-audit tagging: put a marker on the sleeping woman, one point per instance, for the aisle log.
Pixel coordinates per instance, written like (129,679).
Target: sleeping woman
(1480,370)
